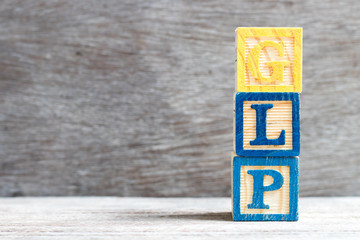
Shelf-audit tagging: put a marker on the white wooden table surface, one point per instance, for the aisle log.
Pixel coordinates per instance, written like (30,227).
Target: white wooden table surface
(168,218)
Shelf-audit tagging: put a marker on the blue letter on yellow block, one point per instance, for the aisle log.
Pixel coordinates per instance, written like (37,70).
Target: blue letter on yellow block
(259,188)
(252,112)
(274,189)
(261,138)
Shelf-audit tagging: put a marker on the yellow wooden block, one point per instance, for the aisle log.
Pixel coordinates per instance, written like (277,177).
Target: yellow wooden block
(268,59)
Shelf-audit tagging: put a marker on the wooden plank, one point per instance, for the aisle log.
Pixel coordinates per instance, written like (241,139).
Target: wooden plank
(268,59)
(135,98)
(174,218)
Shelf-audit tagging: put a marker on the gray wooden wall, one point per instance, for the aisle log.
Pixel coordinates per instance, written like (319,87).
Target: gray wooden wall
(134,98)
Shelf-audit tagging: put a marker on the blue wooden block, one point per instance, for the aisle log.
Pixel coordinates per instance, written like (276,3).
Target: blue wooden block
(267,124)
(265,188)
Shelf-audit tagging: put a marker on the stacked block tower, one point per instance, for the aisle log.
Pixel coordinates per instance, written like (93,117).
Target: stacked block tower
(265,164)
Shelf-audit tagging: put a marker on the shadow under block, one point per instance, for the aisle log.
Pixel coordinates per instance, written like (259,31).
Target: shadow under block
(265,188)
(268,59)
(267,124)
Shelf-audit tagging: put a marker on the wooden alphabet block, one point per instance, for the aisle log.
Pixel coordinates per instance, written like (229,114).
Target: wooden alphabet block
(265,188)
(268,59)
(267,124)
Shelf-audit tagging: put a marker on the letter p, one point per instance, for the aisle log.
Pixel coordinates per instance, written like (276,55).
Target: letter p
(259,188)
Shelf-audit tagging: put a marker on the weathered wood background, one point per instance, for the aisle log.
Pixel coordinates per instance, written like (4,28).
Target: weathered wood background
(84,218)
(134,98)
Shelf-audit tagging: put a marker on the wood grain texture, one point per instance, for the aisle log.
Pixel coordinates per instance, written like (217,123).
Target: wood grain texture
(175,218)
(278,118)
(265,188)
(267,124)
(278,200)
(268,59)
(134,98)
